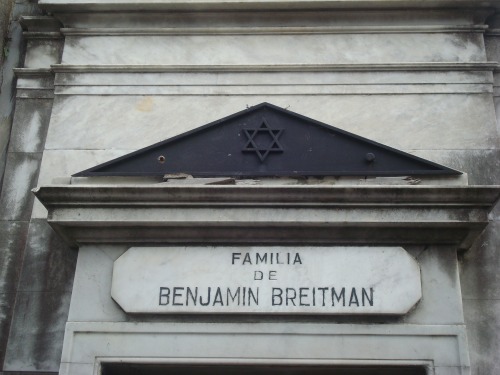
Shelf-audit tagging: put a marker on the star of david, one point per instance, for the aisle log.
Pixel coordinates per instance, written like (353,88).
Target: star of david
(263,140)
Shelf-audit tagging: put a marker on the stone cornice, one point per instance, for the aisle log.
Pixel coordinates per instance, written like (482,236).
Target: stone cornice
(156,214)
(283,30)
(160,5)
(418,66)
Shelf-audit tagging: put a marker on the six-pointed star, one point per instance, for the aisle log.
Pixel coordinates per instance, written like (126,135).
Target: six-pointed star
(263,140)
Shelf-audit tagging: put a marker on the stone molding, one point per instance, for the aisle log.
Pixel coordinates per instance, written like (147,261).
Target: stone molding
(321,344)
(156,5)
(113,31)
(152,214)
(434,66)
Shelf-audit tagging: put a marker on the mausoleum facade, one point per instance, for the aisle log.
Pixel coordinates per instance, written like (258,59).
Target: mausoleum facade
(275,187)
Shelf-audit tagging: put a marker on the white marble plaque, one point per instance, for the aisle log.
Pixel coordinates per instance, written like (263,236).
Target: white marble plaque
(266,280)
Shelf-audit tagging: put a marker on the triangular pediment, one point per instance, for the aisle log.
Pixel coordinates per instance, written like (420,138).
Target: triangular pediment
(266,140)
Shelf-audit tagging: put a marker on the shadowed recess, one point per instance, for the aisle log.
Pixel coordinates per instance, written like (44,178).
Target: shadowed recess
(157,369)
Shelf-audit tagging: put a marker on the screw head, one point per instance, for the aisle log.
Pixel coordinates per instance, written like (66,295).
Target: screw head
(370,157)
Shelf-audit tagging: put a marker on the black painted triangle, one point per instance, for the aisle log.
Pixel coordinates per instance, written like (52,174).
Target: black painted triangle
(266,140)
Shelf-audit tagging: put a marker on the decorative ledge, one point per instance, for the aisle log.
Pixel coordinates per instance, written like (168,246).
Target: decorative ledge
(282,30)
(435,66)
(159,5)
(33,72)
(156,214)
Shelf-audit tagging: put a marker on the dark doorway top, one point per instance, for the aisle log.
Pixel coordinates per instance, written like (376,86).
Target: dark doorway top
(143,369)
(266,140)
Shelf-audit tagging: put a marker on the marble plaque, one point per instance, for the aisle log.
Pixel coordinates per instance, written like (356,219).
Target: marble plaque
(266,280)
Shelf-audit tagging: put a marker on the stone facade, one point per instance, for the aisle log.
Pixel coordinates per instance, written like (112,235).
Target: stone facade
(104,78)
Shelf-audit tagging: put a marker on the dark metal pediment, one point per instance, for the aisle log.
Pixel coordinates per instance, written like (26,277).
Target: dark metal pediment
(266,140)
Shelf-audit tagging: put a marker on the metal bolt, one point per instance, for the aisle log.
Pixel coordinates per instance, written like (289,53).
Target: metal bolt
(370,157)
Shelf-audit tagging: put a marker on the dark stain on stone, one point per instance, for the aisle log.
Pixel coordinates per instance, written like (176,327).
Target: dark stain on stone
(42,304)
(479,266)
(481,166)
(15,206)
(483,321)
(26,109)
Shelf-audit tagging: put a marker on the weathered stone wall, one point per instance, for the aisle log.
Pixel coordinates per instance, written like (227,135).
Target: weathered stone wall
(479,272)
(11,234)
(5,12)
(5,17)
(12,55)
(32,312)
